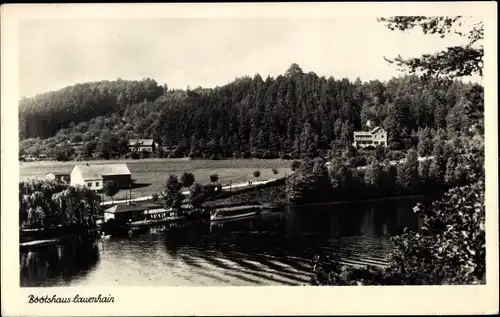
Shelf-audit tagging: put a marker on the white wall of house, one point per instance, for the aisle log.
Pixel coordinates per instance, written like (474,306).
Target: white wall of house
(141,148)
(76,178)
(375,139)
(95,184)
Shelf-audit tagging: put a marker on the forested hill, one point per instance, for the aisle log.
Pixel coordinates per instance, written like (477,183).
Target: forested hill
(297,114)
(45,114)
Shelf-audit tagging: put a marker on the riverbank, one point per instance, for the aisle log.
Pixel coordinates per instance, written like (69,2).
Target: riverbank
(44,242)
(37,237)
(273,191)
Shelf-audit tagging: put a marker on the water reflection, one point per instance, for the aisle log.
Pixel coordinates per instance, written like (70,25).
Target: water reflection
(271,249)
(58,264)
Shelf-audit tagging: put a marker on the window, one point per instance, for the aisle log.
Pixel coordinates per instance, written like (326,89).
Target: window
(89,184)
(96,184)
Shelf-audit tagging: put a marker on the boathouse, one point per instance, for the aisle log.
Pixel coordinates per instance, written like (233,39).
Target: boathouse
(123,213)
(155,211)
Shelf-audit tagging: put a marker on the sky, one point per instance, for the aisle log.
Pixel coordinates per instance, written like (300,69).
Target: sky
(54,53)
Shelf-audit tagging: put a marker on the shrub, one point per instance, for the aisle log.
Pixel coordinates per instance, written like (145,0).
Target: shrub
(110,188)
(155,197)
(275,171)
(256,174)
(187,179)
(214,178)
(295,165)
(395,155)
(134,155)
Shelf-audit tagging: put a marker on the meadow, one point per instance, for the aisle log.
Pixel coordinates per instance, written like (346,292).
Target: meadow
(149,175)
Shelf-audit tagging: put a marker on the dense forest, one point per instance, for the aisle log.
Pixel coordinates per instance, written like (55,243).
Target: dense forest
(295,115)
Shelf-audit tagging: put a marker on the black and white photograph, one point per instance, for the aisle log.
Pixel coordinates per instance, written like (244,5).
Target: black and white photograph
(250,151)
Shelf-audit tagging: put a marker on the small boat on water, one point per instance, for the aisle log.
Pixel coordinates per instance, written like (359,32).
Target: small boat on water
(152,222)
(236,212)
(274,207)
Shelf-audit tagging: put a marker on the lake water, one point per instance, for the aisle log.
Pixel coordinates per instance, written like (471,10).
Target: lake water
(271,249)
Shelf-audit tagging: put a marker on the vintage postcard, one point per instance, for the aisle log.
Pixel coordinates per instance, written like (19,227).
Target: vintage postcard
(249,159)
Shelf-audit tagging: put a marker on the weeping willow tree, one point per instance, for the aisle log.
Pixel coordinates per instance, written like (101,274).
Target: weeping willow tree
(46,204)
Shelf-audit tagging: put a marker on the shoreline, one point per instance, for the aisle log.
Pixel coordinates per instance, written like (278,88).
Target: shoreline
(27,245)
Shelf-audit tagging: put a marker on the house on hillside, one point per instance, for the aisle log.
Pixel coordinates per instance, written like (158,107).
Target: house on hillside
(139,145)
(61,177)
(94,176)
(375,137)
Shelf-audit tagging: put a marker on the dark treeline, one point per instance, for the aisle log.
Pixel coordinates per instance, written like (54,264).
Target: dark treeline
(295,115)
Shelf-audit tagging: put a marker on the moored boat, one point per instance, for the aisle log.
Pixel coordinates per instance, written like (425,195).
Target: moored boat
(236,212)
(152,222)
(274,207)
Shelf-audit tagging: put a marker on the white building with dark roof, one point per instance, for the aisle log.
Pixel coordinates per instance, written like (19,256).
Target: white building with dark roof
(375,137)
(139,145)
(94,176)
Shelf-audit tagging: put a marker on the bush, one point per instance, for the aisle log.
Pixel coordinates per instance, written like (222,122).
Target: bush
(214,178)
(134,155)
(155,197)
(295,165)
(395,155)
(187,179)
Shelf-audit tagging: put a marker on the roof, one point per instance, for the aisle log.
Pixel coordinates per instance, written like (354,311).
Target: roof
(111,169)
(124,208)
(146,142)
(375,129)
(87,172)
(368,132)
(99,170)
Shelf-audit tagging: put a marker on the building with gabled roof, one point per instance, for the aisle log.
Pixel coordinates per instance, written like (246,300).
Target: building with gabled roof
(375,137)
(94,176)
(139,145)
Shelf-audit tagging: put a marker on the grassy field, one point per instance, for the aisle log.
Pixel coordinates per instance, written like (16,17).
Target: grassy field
(150,174)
